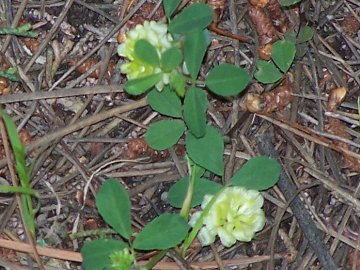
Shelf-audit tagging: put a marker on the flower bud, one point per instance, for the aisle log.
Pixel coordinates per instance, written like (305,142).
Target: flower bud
(122,259)
(156,34)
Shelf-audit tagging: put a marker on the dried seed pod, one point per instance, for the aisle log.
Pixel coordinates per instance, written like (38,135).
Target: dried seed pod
(121,36)
(259,3)
(336,97)
(350,25)
(265,52)
(270,101)
(278,16)
(4,86)
(263,25)
(90,224)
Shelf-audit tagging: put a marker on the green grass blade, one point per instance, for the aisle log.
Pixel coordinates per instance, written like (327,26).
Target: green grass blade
(22,190)
(18,149)
(26,205)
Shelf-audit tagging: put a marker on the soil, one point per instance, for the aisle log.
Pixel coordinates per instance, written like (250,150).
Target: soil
(311,117)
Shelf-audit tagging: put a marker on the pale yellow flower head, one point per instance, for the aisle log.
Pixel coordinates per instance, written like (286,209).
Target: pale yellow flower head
(235,215)
(122,259)
(157,35)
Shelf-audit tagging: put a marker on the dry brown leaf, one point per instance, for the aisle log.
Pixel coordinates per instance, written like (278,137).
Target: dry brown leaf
(259,3)
(269,101)
(337,127)
(25,136)
(278,16)
(263,25)
(31,43)
(350,25)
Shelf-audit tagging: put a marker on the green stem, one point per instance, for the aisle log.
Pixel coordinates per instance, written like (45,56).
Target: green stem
(154,260)
(87,233)
(191,236)
(185,209)
(22,190)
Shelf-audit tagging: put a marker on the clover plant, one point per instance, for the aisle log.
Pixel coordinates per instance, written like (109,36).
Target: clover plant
(163,61)
(283,54)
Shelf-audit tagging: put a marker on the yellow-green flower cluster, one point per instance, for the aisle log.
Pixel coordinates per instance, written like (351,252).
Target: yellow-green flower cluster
(157,35)
(122,259)
(235,215)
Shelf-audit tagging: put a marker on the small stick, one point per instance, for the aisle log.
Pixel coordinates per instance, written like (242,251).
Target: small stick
(314,236)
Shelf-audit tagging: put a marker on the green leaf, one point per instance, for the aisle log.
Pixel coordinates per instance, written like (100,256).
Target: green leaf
(267,72)
(164,134)
(194,17)
(306,33)
(227,80)
(22,31)
(170,59)
(113,203)
(290,35)
(177,192)
(165,102)
(141,85)
(301,50)
(196,170)
(195,106)
(194,51)
(177,81)
(96,253)
(283,53)
(170,6)
(286,3)
(207,151)
(146,52)
(165,231)
(259,173)
(11,73)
